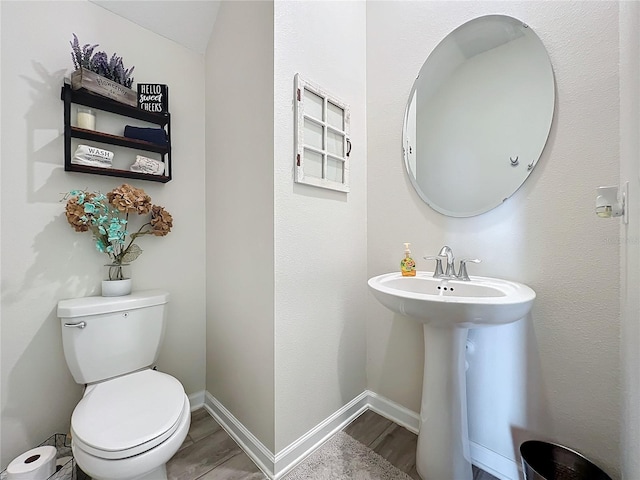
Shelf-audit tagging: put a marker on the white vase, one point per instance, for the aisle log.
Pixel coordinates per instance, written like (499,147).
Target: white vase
(116,288)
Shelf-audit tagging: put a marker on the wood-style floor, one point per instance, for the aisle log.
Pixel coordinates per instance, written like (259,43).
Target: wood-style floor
(209,453)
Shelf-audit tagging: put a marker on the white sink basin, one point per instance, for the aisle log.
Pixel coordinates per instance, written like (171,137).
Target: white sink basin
(447,309)
(464,304)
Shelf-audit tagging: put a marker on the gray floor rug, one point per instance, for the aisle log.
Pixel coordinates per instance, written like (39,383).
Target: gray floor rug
(343,458)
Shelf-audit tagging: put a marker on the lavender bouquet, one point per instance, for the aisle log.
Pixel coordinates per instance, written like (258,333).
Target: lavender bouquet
(100,63)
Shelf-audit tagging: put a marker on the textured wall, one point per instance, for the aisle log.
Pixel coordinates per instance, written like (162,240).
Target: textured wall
(630,235)
(557,374)
(239,204)
(320,234)
(43,259)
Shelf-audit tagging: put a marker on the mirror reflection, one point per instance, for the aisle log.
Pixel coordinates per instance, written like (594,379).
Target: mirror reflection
(478,116)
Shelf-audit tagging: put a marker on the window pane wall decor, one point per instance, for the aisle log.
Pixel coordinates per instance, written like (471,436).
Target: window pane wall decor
(322,144)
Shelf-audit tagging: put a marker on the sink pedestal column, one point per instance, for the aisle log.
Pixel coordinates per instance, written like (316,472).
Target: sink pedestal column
(443,440)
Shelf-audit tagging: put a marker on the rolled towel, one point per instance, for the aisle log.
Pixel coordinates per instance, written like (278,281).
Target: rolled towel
(153,135)
(147,165)
(92,156)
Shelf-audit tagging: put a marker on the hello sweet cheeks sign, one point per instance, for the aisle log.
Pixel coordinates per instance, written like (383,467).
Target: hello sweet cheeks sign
(153,97)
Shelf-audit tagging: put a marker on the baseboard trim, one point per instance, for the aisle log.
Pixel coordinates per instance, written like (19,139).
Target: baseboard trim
(278,465)
(394,411)
(196,400)
(253,447)
(494,463)
(314,438)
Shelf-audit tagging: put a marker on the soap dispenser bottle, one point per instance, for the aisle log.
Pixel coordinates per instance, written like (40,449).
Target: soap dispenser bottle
(407,265)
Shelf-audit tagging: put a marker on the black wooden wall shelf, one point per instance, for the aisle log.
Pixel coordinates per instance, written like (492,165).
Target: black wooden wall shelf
(88,99)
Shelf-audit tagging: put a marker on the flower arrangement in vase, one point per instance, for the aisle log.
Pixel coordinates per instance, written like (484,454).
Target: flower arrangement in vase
(107,218)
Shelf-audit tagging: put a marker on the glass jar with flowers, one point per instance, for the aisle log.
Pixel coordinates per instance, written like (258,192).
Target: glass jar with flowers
(107,218)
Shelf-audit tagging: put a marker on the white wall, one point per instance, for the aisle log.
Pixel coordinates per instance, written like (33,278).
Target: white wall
(630,236)
(286,270)
(240,210)
(43,259)
(320,249)
(296,347)
(555,375)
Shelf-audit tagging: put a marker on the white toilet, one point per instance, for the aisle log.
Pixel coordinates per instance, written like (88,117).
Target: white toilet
(131,419)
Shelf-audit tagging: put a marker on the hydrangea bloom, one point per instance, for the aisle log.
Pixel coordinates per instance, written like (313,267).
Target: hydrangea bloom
(107,217)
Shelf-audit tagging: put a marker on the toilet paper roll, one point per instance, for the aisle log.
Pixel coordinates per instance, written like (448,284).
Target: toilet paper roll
(36,464)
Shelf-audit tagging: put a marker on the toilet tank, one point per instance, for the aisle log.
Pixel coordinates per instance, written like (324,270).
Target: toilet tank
(104,337)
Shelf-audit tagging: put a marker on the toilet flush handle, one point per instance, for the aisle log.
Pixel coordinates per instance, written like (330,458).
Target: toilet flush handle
(76,325)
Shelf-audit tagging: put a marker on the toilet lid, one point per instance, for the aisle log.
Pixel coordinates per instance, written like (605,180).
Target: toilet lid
(128,415)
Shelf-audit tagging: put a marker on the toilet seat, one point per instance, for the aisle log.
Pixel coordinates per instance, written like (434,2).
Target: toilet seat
(128,415)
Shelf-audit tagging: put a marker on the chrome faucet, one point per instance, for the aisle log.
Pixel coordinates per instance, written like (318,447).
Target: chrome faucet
(462,271)
(438,273)
(450,271)
(447,253)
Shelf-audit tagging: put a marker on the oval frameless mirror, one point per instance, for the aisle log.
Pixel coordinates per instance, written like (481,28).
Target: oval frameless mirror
(478,116)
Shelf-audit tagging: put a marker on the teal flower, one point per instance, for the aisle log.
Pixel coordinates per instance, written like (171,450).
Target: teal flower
(100,246)
(79,194)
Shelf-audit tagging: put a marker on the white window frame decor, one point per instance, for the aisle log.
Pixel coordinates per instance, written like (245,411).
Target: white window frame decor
(314,125)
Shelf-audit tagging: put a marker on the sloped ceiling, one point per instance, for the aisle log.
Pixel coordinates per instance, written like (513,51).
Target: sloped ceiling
(187,22)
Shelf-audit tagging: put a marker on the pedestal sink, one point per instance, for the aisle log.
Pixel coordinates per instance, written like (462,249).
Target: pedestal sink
(447,309)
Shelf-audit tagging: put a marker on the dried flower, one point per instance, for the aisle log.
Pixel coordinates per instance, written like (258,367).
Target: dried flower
(161,221)
(81,58)
(107,217)
(113,68)
(75,212)
(128,199)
